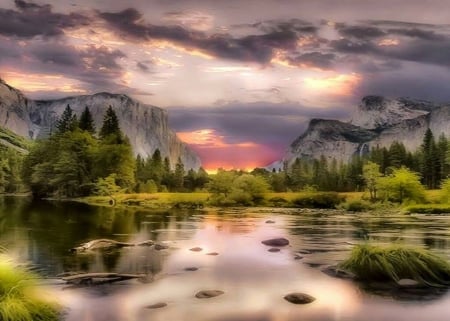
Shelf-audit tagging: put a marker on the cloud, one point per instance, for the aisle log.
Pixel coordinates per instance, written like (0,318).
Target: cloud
(258,48)
(31,20)
(314,59)
(360,31)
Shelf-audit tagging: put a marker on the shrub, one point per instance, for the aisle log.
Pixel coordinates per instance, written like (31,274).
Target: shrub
(374,263)
(357,206)
(318,200)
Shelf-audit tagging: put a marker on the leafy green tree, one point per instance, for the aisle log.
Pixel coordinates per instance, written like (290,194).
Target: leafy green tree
(402,185)
(87,121)
(372,175)
(249,189)
(221,184)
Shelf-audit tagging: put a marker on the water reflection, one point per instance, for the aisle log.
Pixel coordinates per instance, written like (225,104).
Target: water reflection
(253,279)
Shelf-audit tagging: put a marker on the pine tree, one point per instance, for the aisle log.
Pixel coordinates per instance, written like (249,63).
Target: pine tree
(429,160)
(67,122)
(179,175)
(110,127)
(86,121)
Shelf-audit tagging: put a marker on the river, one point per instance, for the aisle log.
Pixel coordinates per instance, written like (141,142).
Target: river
(254,280)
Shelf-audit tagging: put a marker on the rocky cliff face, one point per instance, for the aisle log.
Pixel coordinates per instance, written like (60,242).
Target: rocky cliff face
(146,126)
(377,121)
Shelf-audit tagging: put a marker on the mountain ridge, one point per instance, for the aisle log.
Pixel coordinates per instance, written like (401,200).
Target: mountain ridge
(376,122)
(145,125)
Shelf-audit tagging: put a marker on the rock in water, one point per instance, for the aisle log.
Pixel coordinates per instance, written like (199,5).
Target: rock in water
(270,222)
(206,294)
(276,242)
(212,253)
(191,268)
(196,249)
(159,247)
(274,249)
(157,305)
(408,283)
(299,298)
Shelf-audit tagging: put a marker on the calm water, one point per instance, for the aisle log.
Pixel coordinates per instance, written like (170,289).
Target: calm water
(253,279)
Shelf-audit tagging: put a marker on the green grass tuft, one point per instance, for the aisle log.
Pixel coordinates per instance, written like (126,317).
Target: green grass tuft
(374,263)
(18,298)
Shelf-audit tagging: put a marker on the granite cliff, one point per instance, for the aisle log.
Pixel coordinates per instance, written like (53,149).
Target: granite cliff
(146,126)
(377,121)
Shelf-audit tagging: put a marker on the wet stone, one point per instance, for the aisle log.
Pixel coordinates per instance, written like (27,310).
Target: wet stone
(157,305)
(191,268)
(276,242)
(160,247)
(206,294)
(196,249)
(274,249)
(299,298)
(298,257)
(270,222)
(212,253)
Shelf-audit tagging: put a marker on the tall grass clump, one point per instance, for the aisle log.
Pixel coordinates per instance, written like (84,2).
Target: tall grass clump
(19,300)
(392,263)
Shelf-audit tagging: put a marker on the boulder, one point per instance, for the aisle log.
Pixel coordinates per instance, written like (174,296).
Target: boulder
(157,305)
(196,249)
(299,298)
(281,241)
(206,294)
(274,249)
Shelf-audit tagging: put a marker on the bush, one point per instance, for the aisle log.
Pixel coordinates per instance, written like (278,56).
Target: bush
(357,206)
(319,200)
(373,263)
(17,301)
(278,201)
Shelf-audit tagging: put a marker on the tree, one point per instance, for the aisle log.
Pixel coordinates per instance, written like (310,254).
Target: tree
(402,185)
(67,121)
(371,174)
(221,184)
(110,127)
(429,162)
(178,175)
(249,190)
(86,121)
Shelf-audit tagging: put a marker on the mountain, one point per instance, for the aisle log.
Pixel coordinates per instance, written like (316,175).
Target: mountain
(377,121)
(146,126)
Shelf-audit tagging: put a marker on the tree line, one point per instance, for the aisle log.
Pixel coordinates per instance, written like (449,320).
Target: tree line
(79,160)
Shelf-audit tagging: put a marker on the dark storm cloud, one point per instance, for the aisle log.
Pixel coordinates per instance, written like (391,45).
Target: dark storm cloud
(251,48)
(314,59)
(418,33)
(353,47)
(360,32)
(30,20)
(298,25)
(142,66)
(277,123)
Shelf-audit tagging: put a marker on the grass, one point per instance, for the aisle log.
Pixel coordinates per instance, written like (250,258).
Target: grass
(19,300)
(393,263)
(428,209)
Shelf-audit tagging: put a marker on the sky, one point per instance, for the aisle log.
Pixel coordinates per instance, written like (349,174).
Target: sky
(240,79)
